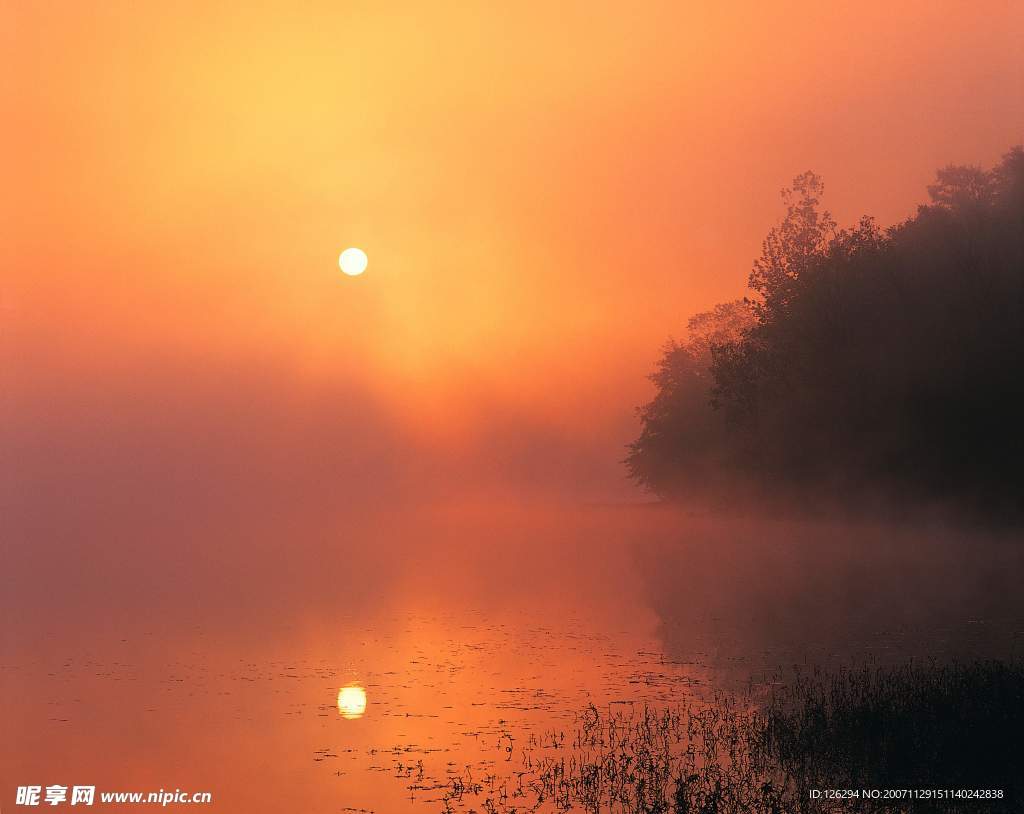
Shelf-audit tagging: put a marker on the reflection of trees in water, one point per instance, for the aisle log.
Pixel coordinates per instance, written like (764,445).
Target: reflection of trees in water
(759,594)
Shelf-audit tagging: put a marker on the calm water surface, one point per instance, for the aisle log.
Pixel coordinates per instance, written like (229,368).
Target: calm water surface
(413,662)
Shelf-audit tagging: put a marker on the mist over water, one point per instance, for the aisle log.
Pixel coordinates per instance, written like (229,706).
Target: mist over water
(209,655)
(319,543)
(198,560)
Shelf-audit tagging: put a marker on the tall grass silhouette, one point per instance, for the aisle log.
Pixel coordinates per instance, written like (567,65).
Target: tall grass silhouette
(934,731)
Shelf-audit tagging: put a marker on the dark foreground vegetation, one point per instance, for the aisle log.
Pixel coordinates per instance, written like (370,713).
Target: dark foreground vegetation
(916,727)
(947,734)
(866,359)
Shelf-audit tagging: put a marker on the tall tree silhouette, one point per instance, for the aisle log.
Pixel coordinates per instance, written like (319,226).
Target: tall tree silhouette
(870,359)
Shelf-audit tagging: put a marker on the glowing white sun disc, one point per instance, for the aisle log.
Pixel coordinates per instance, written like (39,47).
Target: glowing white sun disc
(353,261)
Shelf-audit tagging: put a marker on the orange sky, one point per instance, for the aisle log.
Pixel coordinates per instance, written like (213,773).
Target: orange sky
(545,192)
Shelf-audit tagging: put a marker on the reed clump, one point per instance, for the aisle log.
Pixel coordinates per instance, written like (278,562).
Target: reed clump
(925,732)
(916,726)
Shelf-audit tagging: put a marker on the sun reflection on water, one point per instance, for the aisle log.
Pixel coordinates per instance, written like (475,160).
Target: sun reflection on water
(352,702)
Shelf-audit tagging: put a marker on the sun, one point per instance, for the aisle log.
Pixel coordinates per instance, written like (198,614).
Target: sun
(352,702)
(353,261)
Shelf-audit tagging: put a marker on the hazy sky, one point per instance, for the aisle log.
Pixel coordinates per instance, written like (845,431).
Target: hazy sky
(545,191)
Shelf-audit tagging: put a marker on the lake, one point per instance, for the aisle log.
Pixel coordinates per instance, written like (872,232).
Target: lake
(426,659)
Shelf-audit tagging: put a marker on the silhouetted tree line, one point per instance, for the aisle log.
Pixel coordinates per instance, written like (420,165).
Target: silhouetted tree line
(865,357)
